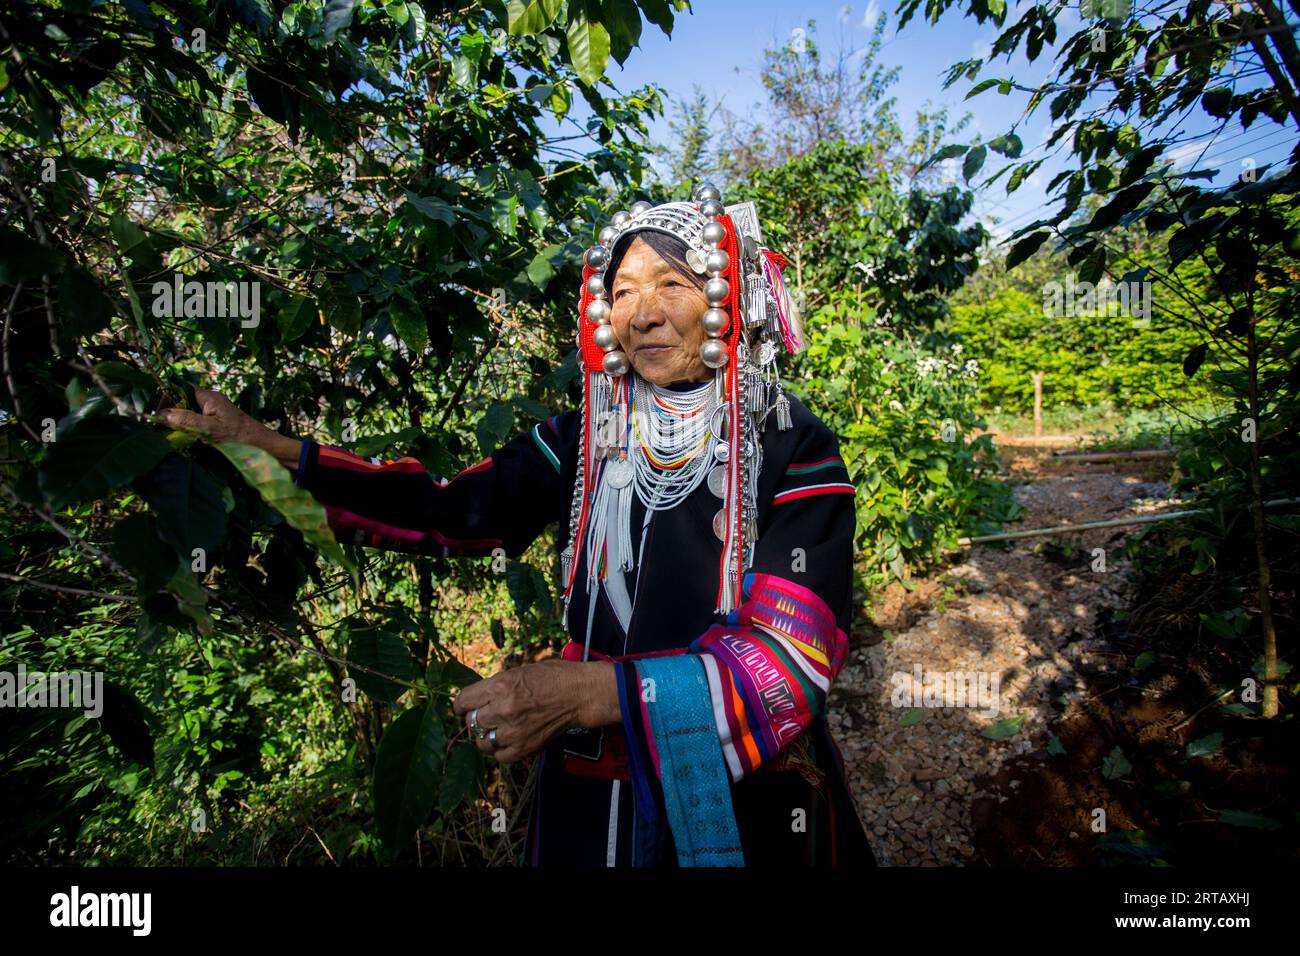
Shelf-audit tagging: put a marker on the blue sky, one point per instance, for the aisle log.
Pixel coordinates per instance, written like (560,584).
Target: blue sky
(720,46)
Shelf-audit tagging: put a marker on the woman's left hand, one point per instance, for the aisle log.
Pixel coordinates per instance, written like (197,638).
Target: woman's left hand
(526,706)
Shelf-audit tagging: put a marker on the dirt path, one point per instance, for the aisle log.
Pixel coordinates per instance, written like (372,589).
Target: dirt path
(1024,620)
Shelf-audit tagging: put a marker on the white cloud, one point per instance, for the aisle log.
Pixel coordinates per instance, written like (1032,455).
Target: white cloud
(1185,155)
(871,15)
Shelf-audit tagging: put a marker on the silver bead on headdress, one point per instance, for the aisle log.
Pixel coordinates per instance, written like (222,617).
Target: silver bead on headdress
(750,318)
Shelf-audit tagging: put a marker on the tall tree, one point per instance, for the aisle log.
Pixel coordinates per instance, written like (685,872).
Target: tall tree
(814,97)
(690,152)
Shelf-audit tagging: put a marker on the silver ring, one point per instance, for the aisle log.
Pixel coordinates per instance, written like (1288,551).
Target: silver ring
(492,738)
(475,730)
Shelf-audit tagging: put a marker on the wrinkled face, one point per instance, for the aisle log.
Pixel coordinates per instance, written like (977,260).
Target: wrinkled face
(657,315)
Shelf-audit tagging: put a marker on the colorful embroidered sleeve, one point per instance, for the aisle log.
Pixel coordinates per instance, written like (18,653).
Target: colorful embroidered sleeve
(504,501)
(770,666)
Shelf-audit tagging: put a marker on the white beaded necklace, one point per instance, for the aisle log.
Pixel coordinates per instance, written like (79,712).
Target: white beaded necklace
(665,453)
(671,428)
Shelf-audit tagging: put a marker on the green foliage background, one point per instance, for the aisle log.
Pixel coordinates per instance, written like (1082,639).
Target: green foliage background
(383,171)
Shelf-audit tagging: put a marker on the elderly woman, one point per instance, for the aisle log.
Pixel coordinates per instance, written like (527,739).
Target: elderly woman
(707,523)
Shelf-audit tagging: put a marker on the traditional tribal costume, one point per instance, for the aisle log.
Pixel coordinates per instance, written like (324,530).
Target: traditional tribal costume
(707,535)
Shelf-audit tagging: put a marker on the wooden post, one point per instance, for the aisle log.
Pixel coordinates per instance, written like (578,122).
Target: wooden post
(1038,405)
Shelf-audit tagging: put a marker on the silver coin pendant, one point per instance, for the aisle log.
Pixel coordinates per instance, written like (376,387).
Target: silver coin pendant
(619,474)
(718,481)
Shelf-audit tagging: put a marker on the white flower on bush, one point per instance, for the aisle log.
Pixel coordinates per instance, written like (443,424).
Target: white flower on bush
(928,364)
(896,405)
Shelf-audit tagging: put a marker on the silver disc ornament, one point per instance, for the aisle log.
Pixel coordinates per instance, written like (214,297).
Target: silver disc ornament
(619,473)
(718,481)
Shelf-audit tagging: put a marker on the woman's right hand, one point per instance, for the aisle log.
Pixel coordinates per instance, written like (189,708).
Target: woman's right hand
(218,420)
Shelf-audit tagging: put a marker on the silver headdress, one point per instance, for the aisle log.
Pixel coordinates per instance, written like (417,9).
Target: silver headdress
(749,320)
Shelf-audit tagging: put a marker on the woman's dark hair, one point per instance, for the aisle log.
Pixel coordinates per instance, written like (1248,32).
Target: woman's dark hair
(672,249)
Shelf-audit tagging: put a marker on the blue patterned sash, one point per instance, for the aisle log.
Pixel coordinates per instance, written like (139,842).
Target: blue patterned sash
(696,784)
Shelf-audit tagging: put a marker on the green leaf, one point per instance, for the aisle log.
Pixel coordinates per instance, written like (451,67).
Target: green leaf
(464,71)
(1217,101)
(338,17)
(442,675)
(911,717)
(85,309)
(1115,765)
(1124,201)
(371,647)
(126,233)
(1008,145)
(431,208)
(527,587)
(623,20)
(983,85)
(948,152)
(1243,818)
(1144,660)
(1018,176)
(408,769)
(1055,747)
(341,309)
(98,455)
(1195,358)
(532,407)
(191,598)
(526,18)
(1026,247)
(1007,727)
(1093,265)
(660,13)
(494,426)
(138,548)
(974,161)
(188,504)
(461,776)
(1205,746)
(542,268)
(253,13)
(408,322)
(275,484)
(1127,139)
(295,318)
(588,48)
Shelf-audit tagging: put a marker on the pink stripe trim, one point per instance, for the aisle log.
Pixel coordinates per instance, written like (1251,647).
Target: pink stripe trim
(348,519)
(483,465)
(650,737)
(797,493)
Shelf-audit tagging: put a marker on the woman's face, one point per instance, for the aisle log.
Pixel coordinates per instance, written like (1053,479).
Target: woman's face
(657,316)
